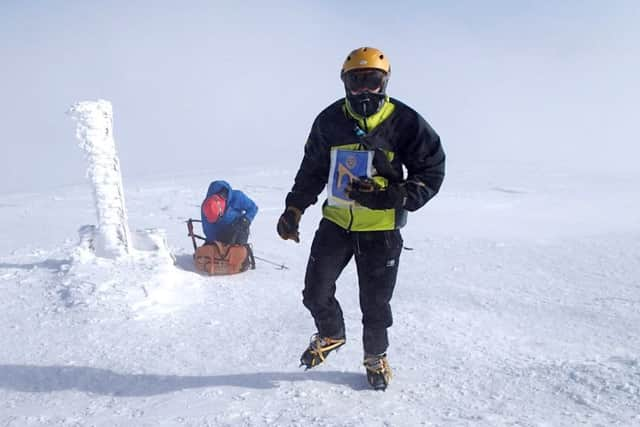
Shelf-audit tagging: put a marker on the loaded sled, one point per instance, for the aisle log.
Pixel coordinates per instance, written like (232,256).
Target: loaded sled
(218,258)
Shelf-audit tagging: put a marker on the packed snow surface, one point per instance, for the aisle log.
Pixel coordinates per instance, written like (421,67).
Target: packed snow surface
(517,304)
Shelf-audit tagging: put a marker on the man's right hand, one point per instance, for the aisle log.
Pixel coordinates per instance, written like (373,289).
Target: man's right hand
(288,224)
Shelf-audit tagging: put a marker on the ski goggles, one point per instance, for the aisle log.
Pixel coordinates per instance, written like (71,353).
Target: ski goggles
(368,80)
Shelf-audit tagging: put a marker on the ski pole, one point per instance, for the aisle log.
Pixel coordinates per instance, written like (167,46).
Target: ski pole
(280,266)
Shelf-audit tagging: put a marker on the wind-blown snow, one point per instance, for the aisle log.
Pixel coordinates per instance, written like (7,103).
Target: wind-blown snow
(518,304)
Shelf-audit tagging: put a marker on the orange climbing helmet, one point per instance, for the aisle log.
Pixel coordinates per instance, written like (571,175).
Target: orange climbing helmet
(366,58)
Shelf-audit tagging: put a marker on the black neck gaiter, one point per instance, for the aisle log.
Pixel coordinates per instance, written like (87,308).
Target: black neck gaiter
(366,104)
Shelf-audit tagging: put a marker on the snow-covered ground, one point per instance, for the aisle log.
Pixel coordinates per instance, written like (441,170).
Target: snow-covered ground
(519,304)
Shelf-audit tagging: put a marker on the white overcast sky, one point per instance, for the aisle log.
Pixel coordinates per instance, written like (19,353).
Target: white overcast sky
(197,83)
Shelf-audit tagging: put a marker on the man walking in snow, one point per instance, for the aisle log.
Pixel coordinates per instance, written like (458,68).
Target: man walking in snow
(358,146)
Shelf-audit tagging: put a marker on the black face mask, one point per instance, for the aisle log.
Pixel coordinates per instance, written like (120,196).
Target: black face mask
(366,104)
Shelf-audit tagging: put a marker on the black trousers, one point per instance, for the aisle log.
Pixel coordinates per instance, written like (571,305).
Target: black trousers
(377,255)
(236,234)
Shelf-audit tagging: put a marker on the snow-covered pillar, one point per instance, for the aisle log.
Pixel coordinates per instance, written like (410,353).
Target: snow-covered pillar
(95,133)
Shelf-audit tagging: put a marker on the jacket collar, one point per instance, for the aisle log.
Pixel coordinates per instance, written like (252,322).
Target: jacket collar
(371,122)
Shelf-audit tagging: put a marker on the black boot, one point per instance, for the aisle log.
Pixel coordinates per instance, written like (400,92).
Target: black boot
(318,350)
(378,370)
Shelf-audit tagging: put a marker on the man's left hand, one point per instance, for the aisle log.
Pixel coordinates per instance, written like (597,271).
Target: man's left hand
(370,194)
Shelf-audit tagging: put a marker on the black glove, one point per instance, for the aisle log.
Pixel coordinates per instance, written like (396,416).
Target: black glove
(370,194)
(288,224)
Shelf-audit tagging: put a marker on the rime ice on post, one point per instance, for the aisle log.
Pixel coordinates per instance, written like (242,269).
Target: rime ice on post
(95,132)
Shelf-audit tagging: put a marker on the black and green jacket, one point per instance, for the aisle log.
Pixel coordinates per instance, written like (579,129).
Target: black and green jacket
(397,130)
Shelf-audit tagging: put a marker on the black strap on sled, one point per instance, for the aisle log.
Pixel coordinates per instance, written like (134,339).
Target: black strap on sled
(252,259)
